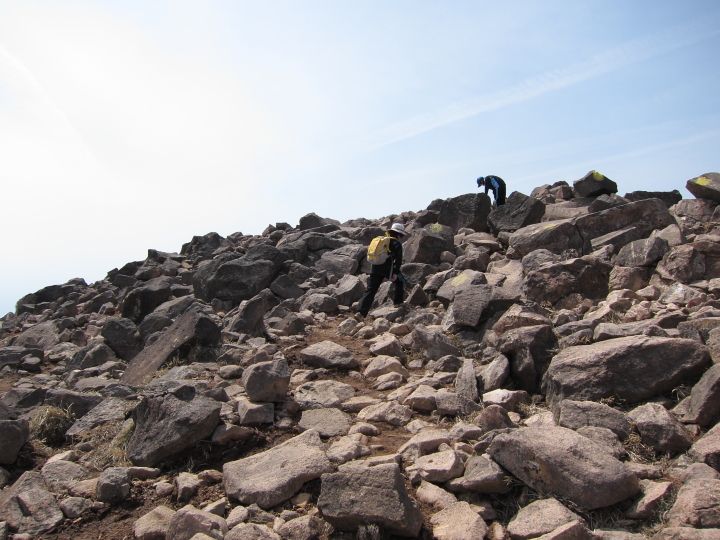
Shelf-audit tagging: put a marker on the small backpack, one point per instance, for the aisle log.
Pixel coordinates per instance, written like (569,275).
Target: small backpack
(379,249)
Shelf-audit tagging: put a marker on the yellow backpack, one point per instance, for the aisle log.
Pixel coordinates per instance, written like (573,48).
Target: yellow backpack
(379,249)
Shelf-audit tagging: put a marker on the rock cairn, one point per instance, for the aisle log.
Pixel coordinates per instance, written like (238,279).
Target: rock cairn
(553,374)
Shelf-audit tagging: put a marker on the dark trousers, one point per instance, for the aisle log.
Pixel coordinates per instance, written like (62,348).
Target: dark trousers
(501,195)
(373,285)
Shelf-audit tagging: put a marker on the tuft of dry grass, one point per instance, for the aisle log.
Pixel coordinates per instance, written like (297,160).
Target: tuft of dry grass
(49,425)
(109,441)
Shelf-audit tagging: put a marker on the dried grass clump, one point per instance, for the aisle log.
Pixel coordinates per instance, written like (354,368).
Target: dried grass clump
(369,532)
(49,425)
(639,451)
(109,441)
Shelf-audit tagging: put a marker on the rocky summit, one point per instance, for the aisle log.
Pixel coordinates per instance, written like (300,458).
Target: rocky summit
(554,374)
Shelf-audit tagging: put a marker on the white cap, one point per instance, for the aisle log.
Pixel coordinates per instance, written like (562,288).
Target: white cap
(400,228)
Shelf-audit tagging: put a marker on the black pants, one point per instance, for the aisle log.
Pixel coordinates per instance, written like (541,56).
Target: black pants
(499,194)
(373,285)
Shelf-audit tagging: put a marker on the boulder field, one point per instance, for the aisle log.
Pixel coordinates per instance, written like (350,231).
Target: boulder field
(552,374)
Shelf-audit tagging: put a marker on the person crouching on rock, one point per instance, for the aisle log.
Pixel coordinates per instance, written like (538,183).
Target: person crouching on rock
(496,184)
(389,269)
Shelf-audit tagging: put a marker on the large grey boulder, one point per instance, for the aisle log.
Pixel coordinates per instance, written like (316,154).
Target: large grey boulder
(327,422)
(645,216)
(348,290)
(267,381)
(697,505)
(707,448)
(481,475)
(644,252)
(358,495)
(166,425)
(232,278)
(706,186)
(631,368)
(76,403)
(594,184)
(554,236)
(668,197)
(472,301)
(273,476)
(560,461)
(44,335)
(425,247)
(328,354)
(587,276)
(193,326)
(518,211)
(468,211)
(337,263)
(60,475)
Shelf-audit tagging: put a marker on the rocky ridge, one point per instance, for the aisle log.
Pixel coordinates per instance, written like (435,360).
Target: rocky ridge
(552,374)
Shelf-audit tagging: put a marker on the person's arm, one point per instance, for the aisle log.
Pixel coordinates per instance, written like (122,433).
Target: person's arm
(397,257)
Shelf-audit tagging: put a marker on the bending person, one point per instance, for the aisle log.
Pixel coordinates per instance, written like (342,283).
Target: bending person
(496,184)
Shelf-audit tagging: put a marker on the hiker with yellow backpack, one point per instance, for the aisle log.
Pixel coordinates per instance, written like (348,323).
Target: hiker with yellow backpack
(385,255)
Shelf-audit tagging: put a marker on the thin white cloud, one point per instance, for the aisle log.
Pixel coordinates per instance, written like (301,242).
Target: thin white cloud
(631,52)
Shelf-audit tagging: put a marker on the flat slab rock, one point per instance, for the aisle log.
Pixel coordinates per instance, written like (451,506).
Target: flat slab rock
(357,495)
(28,507)
(560,461)
(273,476)
(328,354)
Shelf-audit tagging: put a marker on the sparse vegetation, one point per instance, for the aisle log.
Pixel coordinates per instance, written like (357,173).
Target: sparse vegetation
(49,425)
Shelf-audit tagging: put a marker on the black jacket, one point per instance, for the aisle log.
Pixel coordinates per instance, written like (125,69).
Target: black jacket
(393,263)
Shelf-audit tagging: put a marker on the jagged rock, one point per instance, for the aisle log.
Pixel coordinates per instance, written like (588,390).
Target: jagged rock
(249,317)
(632,368)
(704,403)
(481,475)
(577,414)
(91,355)
(518,211)
(301,528)
(327,422)
(143,300)
(682,263)
(706,186)
(165,425)
(321,394)
(76,403)
(389,412)
(14,433)
(471,302)
(189,521)
(109,410)
(468,211)
(668,197)
(495,373)
(257,479)
(380,365)
(113,485)
(593,184)
(434,495)
(153,525)
(645,252)
(385,500)
(660,429)
(319,303)
(507,399)
(348,290)
(683,533)
(28,507)
(653,493)
(697,505)
(707,448)
(337,263)
(527,350)
(645,216)
(251,413)
(251,531)
(267,381)
(452,404)
(328,354)
(567,464)
(73,507)
(458,522)
(425,247)
(538,518)
(192,326)
(426,441)
(434,344)
(187,486)
(494,417)
(347,448)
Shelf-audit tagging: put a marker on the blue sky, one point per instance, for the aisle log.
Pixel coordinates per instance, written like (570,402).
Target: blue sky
(133,125)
